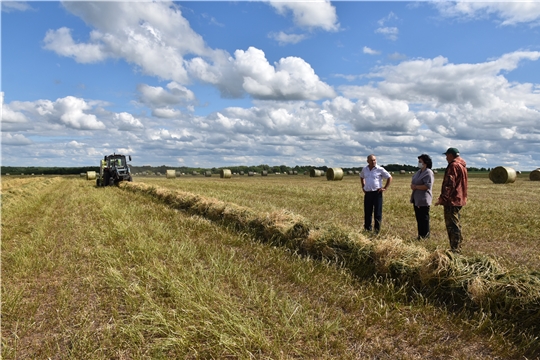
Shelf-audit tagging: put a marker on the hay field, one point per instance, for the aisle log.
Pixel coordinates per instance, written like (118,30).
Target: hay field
(103,273)
(499,220)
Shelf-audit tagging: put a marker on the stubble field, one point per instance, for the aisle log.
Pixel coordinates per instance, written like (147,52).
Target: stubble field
(108,274)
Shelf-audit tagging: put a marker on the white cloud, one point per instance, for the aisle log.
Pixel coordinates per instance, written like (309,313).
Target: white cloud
(61,42)
(509,12)
(290,79)
(156,96)
(284,39)
(15,139)
(310,14)
(390,33)
(9,6)
(126,121)
(369,51)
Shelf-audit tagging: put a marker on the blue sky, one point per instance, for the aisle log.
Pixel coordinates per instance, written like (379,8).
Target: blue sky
(244,83)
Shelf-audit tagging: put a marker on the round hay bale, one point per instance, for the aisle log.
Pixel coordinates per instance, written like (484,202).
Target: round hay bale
(90,175)
(305,172)
(502,175)
(295,172)
(251,173)
(194,173)
(435,171)
(315,173)
(241,173)
(225,174)
(356,172)
(171,174)
(207,174)
(289,172)
(349,172)
(334,174)
(83,175)
(535,175)
(402,171)
(264,173)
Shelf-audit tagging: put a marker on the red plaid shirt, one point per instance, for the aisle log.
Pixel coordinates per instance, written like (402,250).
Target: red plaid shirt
(454,185)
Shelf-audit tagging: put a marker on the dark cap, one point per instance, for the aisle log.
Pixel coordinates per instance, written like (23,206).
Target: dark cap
(452,151)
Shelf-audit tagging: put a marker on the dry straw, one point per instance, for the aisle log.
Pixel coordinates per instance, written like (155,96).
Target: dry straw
(90,175)
(478,284)
(171,174)
(334,174)
(225,174)
(535,175)
(502,175)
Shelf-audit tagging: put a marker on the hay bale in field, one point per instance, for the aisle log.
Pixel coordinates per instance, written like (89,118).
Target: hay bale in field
(518,172)
(334,174)
(264,173)
(225,174)
(315,173)
(82,175)
(533,176)
(241,173)
(435,171)
(295,172)
(171,174)
(305,172)
(90,175)
(402,172)
(502,175)
(7,174)
(356,172)
(207,174)
(251,173)
(194,173)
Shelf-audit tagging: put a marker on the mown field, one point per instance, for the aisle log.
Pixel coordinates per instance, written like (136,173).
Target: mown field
(92,273)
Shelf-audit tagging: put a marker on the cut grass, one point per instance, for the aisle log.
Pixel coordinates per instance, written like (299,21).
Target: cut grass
(95,274)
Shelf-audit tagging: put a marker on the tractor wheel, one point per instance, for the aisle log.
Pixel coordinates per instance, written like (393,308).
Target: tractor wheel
(106,177)
(97,182)
(111,181)
(130,179)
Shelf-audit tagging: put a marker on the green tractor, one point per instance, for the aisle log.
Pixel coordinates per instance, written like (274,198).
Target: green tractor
(113,169)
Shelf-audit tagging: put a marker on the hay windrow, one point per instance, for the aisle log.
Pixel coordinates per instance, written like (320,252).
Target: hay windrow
(476,284)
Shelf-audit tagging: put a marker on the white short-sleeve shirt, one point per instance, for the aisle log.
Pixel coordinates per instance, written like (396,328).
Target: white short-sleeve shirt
(373,178)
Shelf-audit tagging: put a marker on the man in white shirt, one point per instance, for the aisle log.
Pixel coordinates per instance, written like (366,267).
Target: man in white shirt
(371,178)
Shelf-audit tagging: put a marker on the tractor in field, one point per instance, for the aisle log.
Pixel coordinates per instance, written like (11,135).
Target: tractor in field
(113,169)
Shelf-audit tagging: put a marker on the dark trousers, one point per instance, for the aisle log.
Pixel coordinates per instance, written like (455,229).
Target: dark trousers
(373,204)
(453,227)
(422,221)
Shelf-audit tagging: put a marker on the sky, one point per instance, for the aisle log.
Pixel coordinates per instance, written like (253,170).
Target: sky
(217,84)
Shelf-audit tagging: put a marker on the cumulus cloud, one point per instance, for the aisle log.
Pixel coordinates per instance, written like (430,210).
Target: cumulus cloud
(157,38)
(15,139)
(290,79)
(508,12)
(156,96)
(126,121)
(369,51)
(285,39)
(390,33)
(310,14)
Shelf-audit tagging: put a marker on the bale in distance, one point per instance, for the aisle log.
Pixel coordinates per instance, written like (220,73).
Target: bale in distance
(334,174)
(81,174)
(225,174)
(402,171)
(264,173)
(533,176)
(90,175)
(350,172)
(315,173)
(251,173)
(502,175)
(208,174)
(194,173)
(295,172)
(241,173)
(171,174)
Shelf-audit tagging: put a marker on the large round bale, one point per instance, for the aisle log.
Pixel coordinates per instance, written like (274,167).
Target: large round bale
(171,174)
(535,175)
(334,174)
(502,175)
(241,173)
(402,172)
(315,173)
(295,172)
(90,175)
(195,173)
(225,173)
(264,173)
(251,173)
(208,174)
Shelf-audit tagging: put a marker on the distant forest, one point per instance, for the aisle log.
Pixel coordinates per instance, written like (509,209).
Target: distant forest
(37,170)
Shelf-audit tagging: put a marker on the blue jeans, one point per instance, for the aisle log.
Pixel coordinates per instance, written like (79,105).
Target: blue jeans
(373,204)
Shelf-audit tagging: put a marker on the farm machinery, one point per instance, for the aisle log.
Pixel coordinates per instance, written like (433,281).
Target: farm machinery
(113,169)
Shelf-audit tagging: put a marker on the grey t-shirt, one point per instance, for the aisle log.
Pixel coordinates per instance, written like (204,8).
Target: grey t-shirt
(421,197)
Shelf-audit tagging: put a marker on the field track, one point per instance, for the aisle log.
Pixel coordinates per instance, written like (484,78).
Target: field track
(104,273)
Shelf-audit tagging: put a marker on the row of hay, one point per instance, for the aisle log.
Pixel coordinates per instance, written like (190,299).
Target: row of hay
(475,284)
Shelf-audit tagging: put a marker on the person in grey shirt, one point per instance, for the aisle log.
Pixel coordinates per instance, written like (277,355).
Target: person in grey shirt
(421,197)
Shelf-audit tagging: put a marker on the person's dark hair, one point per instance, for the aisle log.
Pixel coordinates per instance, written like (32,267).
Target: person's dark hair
(427,160)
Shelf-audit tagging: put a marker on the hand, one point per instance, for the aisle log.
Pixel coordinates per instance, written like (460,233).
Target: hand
(382,189)
(413,187)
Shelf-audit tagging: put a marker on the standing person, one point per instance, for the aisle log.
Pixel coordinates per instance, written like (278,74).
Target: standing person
(454,196)
(371,178)
(421,186)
